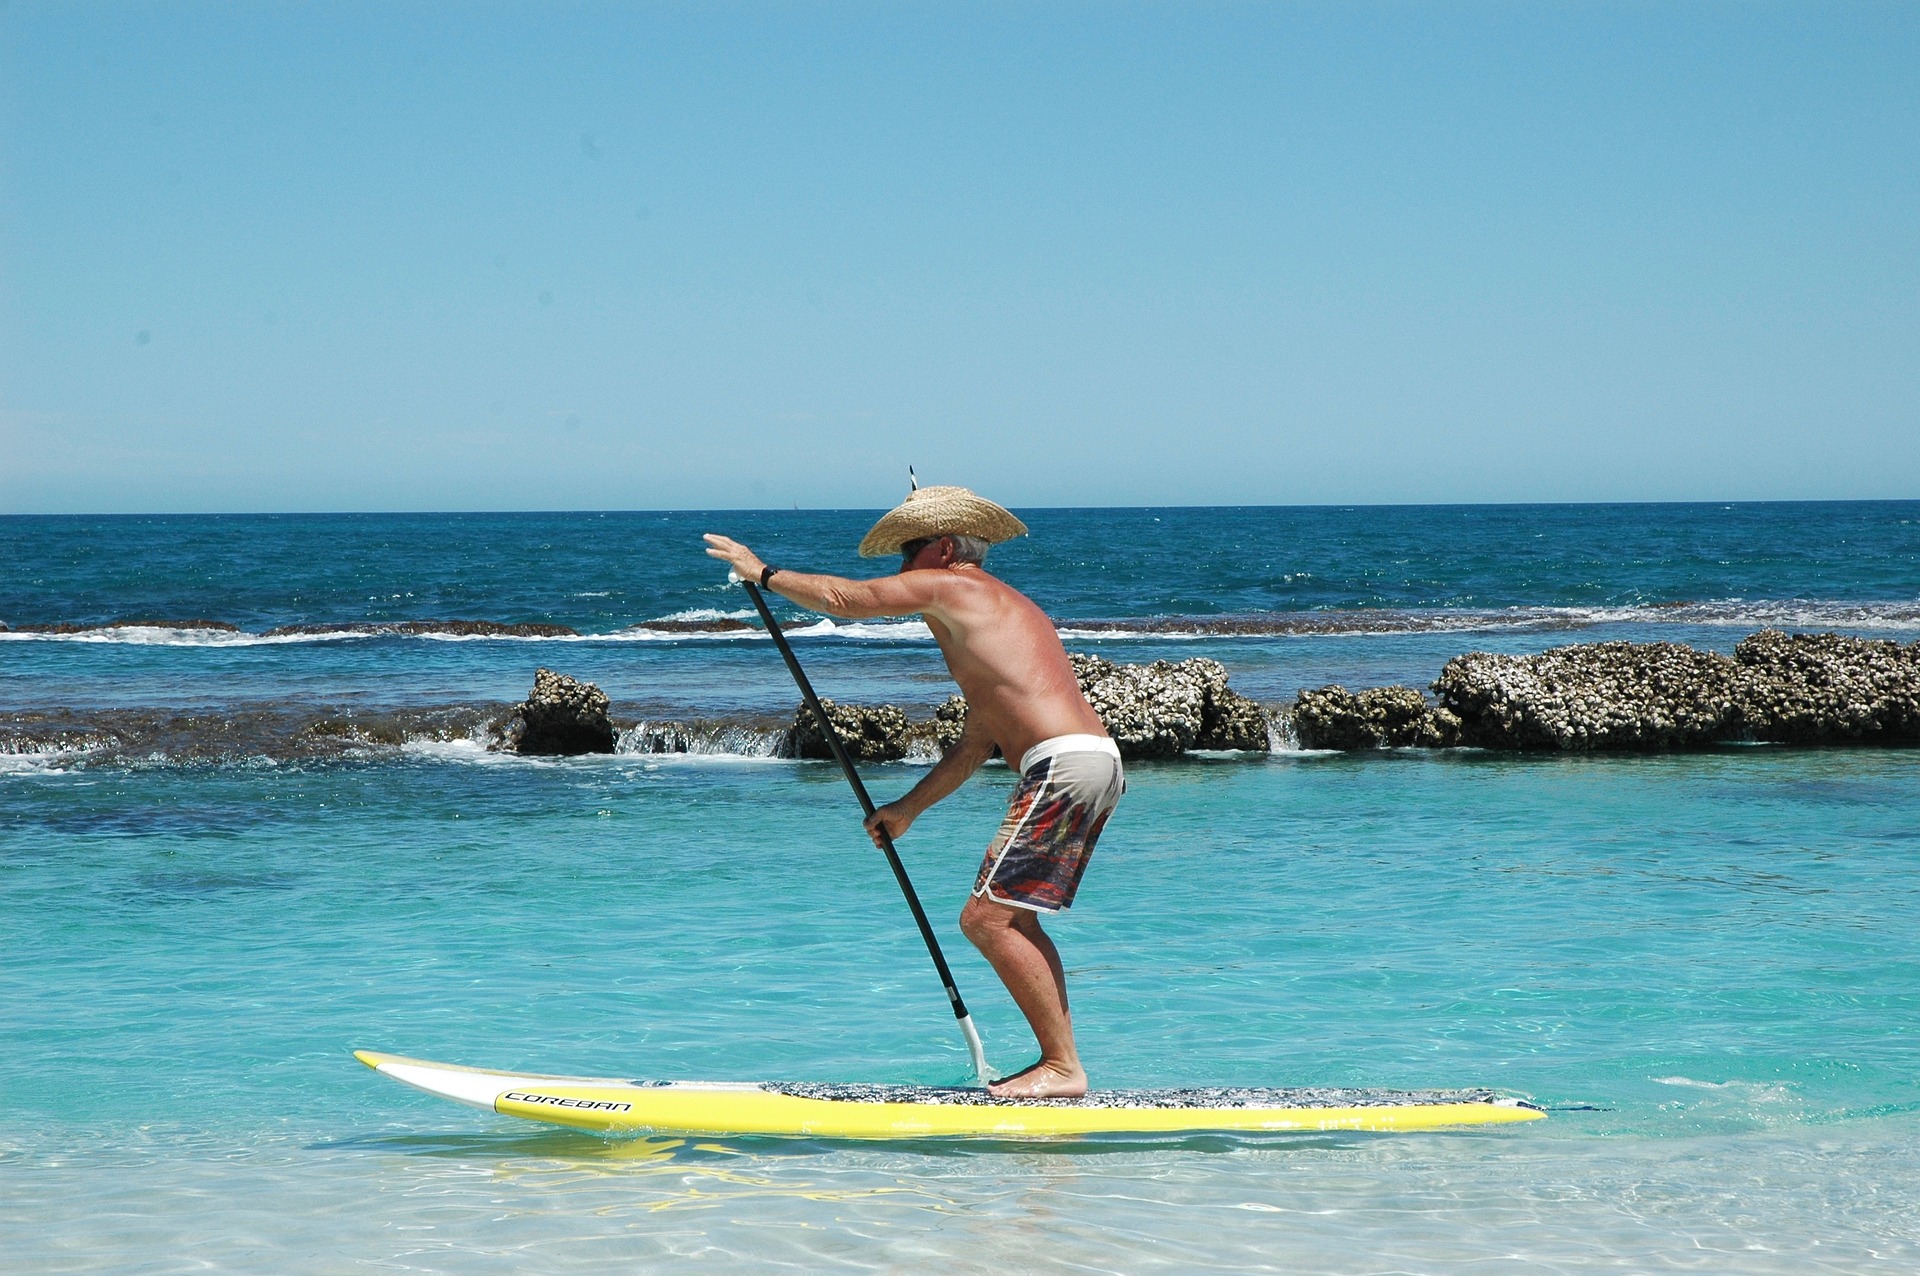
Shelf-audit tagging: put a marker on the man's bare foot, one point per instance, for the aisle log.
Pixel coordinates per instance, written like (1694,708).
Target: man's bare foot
(1042,1080)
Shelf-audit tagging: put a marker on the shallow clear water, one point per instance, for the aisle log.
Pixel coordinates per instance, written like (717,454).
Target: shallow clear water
(1714,950)
(1705,964)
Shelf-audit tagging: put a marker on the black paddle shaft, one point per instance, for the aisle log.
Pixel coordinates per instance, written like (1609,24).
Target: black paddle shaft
(845,760)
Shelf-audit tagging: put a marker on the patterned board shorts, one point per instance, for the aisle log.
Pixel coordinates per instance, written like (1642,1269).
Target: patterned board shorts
(1068,787)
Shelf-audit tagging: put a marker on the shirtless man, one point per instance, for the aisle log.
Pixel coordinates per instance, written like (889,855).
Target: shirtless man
(1021,696)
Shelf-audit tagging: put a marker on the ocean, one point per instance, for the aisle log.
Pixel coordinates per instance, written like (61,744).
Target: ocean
(249,822)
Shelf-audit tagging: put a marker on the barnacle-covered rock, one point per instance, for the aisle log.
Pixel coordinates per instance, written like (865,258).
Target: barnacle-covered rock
(1151,711)
(1377,718)
(949,720)
(871,732)
(561,715)
(1228,720)
(1827,688)
(1610,695)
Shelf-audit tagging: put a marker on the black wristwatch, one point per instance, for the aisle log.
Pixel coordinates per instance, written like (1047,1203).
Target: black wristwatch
(766,574)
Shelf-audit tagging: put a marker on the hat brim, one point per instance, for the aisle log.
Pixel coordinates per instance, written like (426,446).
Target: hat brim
(932,512)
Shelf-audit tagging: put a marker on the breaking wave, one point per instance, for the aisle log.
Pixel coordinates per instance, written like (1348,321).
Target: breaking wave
(699,624)
(1789,614)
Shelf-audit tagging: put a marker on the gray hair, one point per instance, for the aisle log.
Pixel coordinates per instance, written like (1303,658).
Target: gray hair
(969,549)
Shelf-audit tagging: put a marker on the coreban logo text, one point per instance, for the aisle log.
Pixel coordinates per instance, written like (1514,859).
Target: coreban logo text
(556,1101)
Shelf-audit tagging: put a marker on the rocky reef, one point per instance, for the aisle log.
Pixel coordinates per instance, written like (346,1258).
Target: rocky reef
(370,628)
(561,715)
(133,622)
(1824,689)
(1159,710)
(871,732)
(282,732)
(1776,687)
(1609,695)
(1801,689)
(1377,718)
(1166,708)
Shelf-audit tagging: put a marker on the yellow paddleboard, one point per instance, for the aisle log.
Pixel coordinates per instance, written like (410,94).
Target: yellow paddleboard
(908,1112)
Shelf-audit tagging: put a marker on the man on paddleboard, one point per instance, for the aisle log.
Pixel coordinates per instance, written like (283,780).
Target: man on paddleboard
(1022,697)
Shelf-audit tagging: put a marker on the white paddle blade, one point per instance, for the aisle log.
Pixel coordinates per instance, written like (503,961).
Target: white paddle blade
(978,1051)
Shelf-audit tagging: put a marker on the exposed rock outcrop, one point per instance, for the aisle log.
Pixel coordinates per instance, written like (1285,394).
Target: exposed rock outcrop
(1228,720)
(871,732)
(949,720)
(1377,718)
(292,732)
(1609,695)
(1166,708)
(1792,689)
(1825,688)
(67,627)
(1152,711)
(562,715)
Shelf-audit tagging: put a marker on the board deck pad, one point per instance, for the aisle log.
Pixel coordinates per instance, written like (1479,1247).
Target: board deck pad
(1202,1097)
(862,1111)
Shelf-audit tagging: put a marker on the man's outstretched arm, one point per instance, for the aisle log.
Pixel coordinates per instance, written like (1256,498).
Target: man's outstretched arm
(907,594)
(973,747)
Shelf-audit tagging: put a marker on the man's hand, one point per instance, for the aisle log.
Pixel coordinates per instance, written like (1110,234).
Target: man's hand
(745,563)
(893,818)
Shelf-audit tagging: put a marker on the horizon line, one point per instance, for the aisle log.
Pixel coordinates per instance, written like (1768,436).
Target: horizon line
(863,509)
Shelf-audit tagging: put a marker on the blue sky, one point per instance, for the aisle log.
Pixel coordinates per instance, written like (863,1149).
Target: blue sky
(500,256)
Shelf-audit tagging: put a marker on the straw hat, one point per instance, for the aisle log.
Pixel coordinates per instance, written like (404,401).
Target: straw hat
(940,511)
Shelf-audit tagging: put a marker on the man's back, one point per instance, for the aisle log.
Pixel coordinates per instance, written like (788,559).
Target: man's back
(1003,652)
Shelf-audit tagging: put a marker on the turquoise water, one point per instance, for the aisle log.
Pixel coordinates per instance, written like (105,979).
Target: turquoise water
(1706,965)
(1717,951)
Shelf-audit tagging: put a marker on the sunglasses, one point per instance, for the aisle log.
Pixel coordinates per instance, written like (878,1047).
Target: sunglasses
(911,550)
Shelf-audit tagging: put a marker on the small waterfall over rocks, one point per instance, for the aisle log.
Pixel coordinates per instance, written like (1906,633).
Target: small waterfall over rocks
(707,739)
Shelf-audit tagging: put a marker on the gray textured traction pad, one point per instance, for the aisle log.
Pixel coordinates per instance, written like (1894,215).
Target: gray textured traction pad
(1211,1097)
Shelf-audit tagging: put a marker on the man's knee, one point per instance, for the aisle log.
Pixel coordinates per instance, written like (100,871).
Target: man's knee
(982,920)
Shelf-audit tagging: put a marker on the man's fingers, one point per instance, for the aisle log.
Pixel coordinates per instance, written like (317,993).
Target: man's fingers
(879,825)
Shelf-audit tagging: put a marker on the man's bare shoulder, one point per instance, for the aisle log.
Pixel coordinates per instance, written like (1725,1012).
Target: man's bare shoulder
(969,584)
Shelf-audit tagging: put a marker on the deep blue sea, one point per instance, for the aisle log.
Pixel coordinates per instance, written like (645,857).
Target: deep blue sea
(1707,965)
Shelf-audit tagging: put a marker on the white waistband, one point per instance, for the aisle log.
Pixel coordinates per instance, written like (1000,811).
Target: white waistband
(1066,744)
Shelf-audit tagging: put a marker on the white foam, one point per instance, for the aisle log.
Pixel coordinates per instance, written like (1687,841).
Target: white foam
(692,614)
(1792,614)
(824,627)
(887,630)
(1754,1091)
(163,636)
(35,763)
(641,633)
(471,751)
(724,740)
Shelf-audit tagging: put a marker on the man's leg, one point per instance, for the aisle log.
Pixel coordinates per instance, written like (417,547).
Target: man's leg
(1029,965)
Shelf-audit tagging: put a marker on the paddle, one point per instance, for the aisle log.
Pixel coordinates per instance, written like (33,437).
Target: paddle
(840,754)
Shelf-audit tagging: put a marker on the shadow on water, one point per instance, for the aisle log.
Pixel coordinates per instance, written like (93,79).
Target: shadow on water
(186,884)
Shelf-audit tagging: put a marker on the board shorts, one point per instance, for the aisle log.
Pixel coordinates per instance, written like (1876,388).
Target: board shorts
(1068,787)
